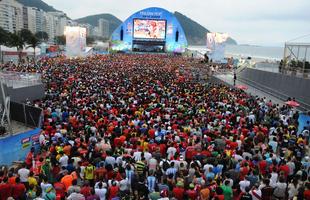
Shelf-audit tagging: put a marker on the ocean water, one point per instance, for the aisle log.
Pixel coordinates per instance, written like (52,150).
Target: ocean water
(243,51)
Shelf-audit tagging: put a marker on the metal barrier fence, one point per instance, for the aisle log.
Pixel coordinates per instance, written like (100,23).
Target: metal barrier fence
(20,79)
(291,71)
(25,114)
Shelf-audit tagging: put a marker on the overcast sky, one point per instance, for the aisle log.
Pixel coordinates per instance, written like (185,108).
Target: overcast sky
(260,22)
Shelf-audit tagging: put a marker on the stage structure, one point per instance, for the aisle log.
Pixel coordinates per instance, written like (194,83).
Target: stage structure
(150,30)
(216,46)
(75,41)
(297,56)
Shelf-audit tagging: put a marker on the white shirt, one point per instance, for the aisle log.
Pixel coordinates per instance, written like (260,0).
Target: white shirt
(147,156)
(44,187)
(243,184)
(110,160)
(171,151)
(258,192)
(76,196)
(206,167)
(273,179)
(42,139)
(64,160)
(101,193)
(23,174)
(137,155)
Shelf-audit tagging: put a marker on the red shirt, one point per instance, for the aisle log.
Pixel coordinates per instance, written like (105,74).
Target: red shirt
(86,191)
(113,190)
(263,166)
(60,189)
(192,194)
(285,168)
(220,197)
(189,153)
(233,145)
(18,191)
(5,191)
(178,193)
(100,173)
(307,194)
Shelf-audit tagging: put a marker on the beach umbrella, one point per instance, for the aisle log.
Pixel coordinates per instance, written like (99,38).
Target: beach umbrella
(242,87)
(292,103)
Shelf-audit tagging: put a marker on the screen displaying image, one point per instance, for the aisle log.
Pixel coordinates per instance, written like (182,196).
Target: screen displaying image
(149,29)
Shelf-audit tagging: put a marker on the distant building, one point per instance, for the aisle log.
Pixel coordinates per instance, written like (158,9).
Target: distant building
(51,26)
(14,17)
(40,20)
(30,19)
(11,15)
(60,21)
(103,28)
(88,28)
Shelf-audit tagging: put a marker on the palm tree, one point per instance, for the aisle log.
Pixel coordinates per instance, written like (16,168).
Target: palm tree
(4,38)
(16,41)
(33,43)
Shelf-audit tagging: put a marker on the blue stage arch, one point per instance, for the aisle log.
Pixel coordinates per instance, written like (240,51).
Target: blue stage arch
(174,41)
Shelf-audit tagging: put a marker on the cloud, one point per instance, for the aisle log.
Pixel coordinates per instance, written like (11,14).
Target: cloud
(247,21)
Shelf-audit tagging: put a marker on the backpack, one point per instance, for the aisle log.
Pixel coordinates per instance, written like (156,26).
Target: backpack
(165,165)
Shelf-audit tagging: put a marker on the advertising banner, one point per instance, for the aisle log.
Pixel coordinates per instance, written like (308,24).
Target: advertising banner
(16,147)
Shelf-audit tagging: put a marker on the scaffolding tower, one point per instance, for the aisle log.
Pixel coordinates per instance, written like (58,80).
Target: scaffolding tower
(297,55)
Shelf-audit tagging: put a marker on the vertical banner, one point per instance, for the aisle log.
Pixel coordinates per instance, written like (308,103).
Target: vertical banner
(216,46)
(75,41)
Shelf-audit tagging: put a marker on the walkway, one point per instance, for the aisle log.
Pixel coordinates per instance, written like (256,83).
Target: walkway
(228,78)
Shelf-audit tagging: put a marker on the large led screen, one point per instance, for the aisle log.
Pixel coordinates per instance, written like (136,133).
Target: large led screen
(149,29)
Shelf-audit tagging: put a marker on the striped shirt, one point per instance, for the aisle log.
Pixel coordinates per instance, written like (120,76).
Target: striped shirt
(171,170)
(140,167)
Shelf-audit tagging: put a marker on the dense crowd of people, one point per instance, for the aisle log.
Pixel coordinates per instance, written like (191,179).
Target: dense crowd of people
(140,127)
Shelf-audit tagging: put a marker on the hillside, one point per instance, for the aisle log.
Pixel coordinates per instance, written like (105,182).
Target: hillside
(38,4)
(114,22)
(195,33)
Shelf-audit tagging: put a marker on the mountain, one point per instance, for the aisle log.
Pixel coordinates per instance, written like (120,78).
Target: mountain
(114,22)
(38,4)
(195,33)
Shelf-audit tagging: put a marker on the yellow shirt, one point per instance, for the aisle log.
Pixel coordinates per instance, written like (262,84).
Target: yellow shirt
(32,181)
(89,172)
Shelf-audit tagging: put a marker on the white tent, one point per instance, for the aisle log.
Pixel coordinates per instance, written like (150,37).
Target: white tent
(29,50)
